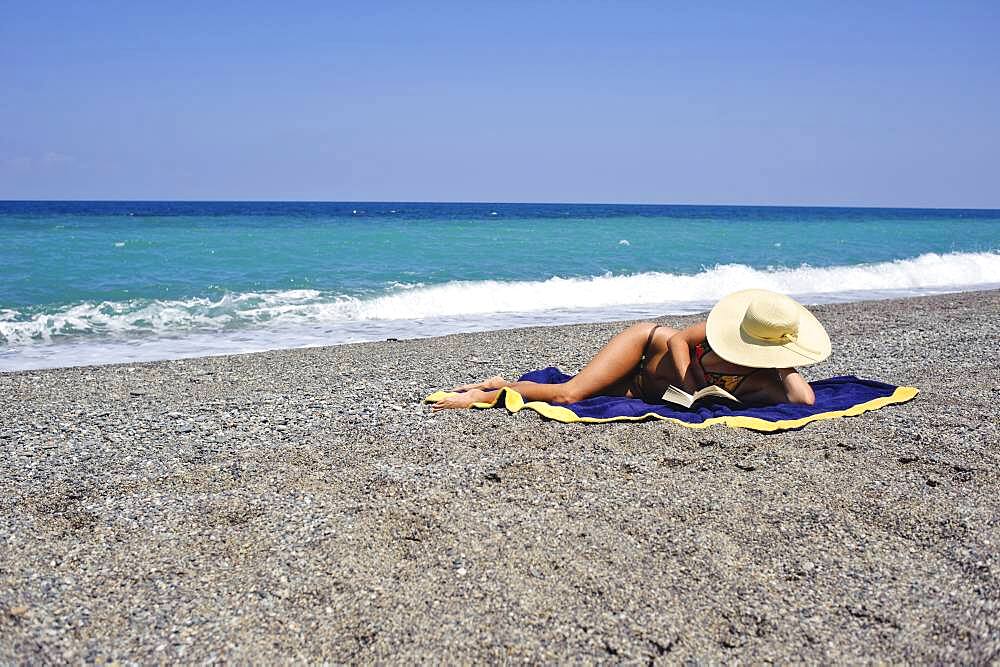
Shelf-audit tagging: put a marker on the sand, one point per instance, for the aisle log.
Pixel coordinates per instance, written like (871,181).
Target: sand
(303,506)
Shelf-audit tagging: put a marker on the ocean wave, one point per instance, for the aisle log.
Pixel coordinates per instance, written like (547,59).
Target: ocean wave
(470,299)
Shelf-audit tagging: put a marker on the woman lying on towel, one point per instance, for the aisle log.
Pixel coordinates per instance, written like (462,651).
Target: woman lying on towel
(748,346)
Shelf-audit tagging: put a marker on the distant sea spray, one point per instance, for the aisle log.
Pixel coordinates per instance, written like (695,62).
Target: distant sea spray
(171,298)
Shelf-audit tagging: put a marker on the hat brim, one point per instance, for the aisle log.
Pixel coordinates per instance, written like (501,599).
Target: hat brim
(727,338)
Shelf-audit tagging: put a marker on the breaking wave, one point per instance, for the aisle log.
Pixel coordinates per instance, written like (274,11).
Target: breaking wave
(145,330)
(470,299)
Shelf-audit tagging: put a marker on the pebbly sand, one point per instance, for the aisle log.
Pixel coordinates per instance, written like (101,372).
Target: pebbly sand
(303,506)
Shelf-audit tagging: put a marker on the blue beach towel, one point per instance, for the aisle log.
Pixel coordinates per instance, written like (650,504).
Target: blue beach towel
(844,396)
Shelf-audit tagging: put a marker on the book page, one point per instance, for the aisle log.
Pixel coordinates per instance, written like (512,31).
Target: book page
(713,390)
(680,397)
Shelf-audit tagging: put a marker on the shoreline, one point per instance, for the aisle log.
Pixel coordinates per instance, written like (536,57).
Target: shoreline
(167,348)
(301,504)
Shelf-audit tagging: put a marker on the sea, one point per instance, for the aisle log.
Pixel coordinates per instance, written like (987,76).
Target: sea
(107,282)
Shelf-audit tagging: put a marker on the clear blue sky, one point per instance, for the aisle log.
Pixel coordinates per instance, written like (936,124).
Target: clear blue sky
(834,103)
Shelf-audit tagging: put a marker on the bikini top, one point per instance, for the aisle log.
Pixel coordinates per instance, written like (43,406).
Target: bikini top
(727,381)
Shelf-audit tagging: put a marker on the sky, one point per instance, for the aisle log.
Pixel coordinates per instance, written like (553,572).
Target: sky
(840,104)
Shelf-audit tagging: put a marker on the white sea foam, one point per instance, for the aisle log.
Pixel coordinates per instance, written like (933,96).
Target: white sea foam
(456,299)
(140,330)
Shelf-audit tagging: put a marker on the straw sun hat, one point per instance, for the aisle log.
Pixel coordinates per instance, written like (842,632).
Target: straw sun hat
(763,329)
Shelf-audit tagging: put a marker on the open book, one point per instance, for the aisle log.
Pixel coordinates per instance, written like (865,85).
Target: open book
(681,397)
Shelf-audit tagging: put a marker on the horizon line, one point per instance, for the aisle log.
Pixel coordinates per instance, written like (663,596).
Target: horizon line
(488,202)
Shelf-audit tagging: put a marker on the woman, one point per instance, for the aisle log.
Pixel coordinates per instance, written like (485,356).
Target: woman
(748,346)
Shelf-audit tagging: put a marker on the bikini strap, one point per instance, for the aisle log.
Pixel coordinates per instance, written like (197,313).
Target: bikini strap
(645,348)
(639,389)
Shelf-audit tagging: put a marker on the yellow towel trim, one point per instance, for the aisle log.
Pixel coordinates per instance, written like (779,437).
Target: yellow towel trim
(514,402)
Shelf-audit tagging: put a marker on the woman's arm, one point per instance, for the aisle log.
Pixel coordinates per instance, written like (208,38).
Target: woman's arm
(679,347)
(797,390)
(790,387)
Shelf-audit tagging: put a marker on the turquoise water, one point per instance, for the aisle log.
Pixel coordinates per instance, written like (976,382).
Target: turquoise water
(98,282)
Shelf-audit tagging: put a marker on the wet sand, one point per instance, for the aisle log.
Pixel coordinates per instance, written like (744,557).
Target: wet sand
(303,505)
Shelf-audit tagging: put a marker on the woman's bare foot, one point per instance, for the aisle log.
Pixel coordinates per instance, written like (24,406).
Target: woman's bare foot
(495,382)
(463,400)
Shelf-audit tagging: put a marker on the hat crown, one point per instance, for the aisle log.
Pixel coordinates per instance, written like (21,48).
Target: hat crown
(763,329)
(772,319)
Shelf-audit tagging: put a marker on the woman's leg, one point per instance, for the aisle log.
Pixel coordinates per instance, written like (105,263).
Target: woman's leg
(608,370)
(495,382)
